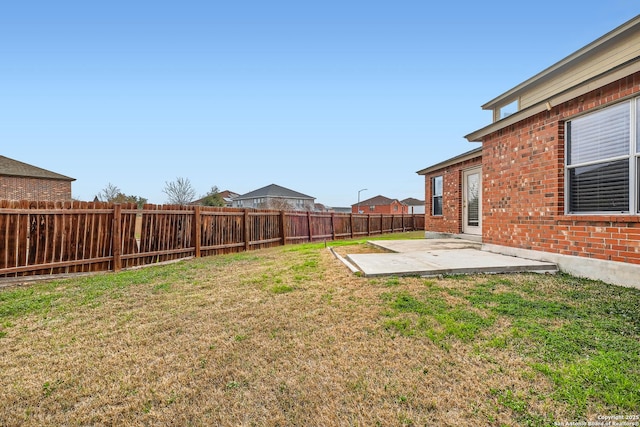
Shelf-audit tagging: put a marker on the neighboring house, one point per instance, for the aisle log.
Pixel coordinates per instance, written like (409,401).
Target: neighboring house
(21,181)
(380,205)
(342,209)
(415,206)
(226,195)
(319,207)
(558,175)
(275,197)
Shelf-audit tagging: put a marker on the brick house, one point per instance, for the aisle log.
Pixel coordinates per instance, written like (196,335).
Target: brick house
(447,209)
(558,173)
(21,181)
(275,197)
(380,205)
(226,196)
(414,206)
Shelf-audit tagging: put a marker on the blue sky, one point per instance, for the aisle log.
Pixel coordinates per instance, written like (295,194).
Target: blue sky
(322,97)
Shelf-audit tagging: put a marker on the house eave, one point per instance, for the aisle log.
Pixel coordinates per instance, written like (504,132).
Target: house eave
(580,55)
(630,67)
(53,177)
(469,155)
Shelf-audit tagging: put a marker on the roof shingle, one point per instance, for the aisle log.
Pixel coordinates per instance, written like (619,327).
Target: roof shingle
(10,167)
(274,190)
(378,201)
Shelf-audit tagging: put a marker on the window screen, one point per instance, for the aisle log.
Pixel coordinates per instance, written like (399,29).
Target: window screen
(598,161)
(436,191)
(603,187)
(600,135)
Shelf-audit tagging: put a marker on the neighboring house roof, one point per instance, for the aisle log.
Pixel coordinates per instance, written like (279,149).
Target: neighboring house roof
(412,202)
(10,167)
(471,154)
(606,60)
(274,190)
(378,201)
(228,195)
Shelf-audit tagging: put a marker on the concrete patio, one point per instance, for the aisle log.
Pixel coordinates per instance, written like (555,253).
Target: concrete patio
(434,257)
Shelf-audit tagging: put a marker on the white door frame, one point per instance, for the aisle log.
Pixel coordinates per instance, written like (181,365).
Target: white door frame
(472,227)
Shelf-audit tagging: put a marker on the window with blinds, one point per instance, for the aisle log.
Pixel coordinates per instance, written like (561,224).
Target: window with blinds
(436,192)
(599,166)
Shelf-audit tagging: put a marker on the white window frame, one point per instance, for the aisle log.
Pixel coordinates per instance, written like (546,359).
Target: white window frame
(433,195)
(505,110)
(633,157)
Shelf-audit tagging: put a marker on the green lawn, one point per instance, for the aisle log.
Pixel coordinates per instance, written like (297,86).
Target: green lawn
(288,336)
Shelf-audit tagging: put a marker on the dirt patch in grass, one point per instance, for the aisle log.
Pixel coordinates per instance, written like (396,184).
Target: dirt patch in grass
(288,336)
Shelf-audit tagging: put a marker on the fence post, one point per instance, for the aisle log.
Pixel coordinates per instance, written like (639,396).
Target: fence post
(333,226)
(117,237)
(247,237)
(309,224)
(351,222)
(283,227)
(368,224)
(197,231)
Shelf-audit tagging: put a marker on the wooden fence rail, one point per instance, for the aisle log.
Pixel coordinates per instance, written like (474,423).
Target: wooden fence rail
(52,238)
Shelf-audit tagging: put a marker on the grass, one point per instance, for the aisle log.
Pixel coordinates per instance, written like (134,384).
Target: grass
(288,336)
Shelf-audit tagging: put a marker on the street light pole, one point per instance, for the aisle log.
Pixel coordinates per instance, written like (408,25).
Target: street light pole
(359,191)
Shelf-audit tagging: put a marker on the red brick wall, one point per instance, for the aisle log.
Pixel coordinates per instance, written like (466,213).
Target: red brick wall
(49,190)
(382,209)
(523,187)
(451,219)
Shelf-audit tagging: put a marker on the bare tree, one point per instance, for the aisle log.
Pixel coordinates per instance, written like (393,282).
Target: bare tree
(112,194)
(109,193)
(180,191)
(277,203)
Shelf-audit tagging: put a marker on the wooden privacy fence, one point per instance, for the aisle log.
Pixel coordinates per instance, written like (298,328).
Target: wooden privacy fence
(73,237)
